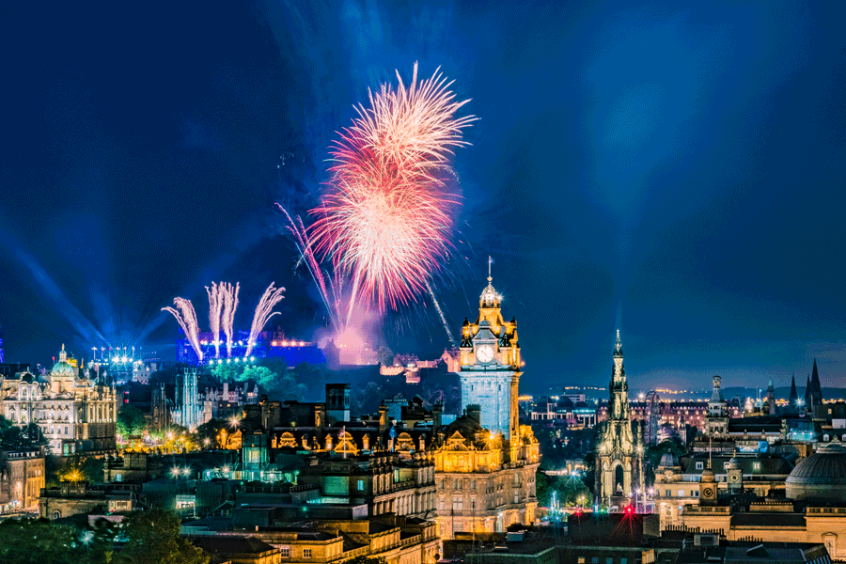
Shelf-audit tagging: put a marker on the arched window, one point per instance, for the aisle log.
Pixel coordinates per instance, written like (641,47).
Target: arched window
(56,515)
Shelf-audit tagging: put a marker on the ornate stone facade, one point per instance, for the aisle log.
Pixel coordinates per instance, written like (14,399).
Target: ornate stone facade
(75,414)
(484,483)
(619,453)
(490,365)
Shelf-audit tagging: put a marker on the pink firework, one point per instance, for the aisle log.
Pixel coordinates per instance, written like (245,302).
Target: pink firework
(386,219)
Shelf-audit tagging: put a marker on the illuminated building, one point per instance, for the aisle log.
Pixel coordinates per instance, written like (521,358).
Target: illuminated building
(491,366)
(75,414)
(21,478)
(269,345)
(812,508)
(486,461)
(484,482)
(188,411)
(619,453)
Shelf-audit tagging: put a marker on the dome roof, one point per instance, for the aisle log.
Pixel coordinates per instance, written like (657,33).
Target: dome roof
(490,297)
(707,476)
(468,424)
(63,367)
(821,476)
(669,460)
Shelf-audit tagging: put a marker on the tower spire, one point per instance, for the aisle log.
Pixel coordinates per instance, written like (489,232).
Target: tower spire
(490,262)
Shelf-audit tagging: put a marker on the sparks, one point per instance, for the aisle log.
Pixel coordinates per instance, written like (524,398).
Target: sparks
(215,310)
(230,304)
(386,220)
(187,319)
(264,312)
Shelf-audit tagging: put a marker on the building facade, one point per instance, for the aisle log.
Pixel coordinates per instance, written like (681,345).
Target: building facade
(74,413)
(619,453)
(484,483)
(490,365)
(21,479)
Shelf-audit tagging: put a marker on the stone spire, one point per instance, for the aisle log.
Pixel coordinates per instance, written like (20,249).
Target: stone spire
(816,389)
(794,397)
(618,407)
(809,401)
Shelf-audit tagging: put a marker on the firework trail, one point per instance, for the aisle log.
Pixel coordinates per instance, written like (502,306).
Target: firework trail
(264,312)
(187,319)
(385,222)
(306,250)
(215,310)
(440,313)
(230,304)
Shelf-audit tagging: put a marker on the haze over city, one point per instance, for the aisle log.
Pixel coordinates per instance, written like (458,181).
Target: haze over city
(675,171)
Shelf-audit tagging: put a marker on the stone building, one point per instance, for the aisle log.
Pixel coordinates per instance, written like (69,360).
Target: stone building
(811,509)
(21,479)
(619,440)
(74,498)
(484,482)
(75,414)
(491,365)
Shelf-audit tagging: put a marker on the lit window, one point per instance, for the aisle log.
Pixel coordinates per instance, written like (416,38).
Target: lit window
(361,485)
(285,551)
(306,553)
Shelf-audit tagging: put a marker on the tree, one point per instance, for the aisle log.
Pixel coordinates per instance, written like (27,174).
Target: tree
(209,430)
(153,538)
(130,421)
(35,541)
(13,437)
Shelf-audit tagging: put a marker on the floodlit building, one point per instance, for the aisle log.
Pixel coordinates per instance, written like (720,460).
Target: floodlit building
(75,414)
(619,440)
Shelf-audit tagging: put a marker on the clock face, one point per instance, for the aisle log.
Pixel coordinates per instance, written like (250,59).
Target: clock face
(707,492)
(484,353)
(734,478)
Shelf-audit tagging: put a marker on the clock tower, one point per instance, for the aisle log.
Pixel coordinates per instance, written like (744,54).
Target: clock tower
(490,365)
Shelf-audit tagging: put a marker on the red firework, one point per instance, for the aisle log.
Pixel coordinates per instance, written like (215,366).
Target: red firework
(386,219)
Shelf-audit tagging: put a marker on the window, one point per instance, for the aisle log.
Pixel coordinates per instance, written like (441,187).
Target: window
(681,493)
(700,465)
(609,560)
(516,498)
(756,466)
(306,553)
(361,485)
(472,484)
(456,484)
(285,551)
(668,493)
(458,503)
(581,560)
(441,505)
(695,493)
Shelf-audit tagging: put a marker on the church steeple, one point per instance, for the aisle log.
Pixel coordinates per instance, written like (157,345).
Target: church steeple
(794,396)
(618,407)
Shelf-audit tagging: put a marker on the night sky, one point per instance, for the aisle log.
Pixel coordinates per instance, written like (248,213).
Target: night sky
(674,170)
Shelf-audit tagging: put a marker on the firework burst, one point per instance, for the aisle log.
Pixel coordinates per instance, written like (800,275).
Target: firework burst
(230,304)
(187,319)
(215,311)
(264,312)
(386,220)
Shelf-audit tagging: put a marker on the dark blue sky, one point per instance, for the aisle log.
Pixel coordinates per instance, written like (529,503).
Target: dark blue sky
(674,170)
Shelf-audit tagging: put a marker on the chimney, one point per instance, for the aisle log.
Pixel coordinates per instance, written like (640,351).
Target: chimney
(437,416)
(474,411)
(383,419)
